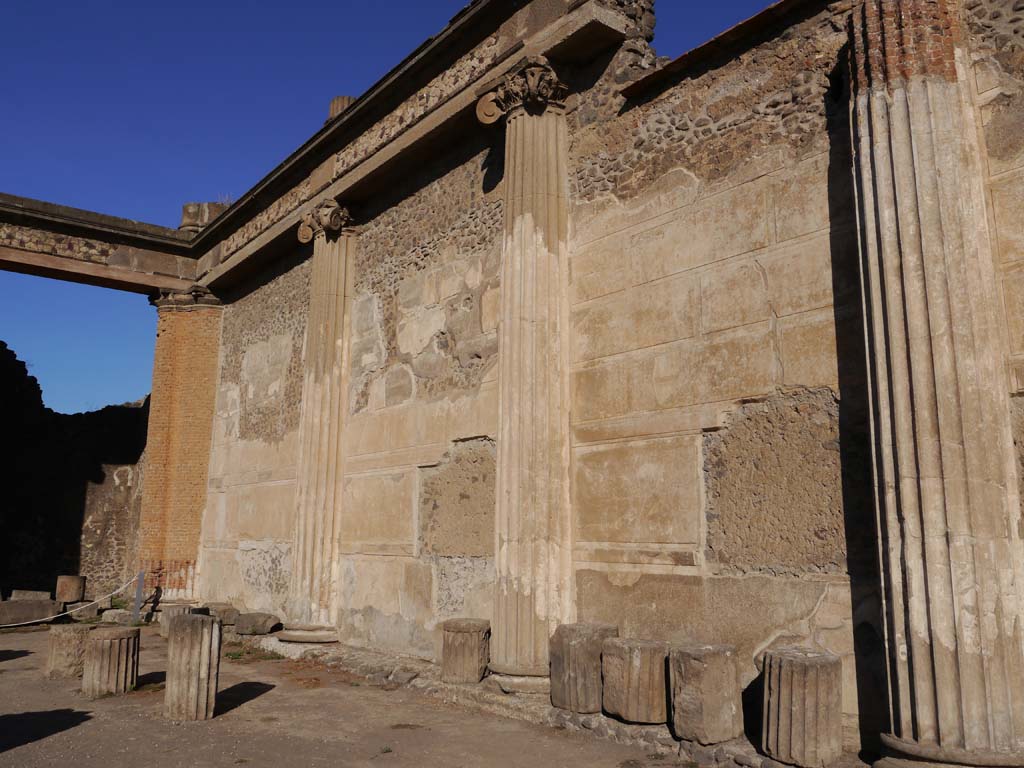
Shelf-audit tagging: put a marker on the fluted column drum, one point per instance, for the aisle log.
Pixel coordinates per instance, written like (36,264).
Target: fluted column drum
(111,661)
(803,707)
(193,667)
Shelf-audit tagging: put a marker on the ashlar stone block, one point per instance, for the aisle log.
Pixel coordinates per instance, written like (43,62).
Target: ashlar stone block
(70,589)
(466,650)
(707,705)
(111,661)
(635,680)
(65,656)
(193,667)
(256,623)
(803,694)
(575,651)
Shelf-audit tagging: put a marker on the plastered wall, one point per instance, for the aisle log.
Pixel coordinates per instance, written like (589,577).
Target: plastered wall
(719,460)
(249,517)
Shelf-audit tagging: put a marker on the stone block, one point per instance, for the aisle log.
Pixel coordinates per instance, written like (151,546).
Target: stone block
(308,634)
(193,667)
(635,681)
(70,589)
(466,650)
(658,481)
(66,650)
(117,616)
(707,704)
(803,694)
(111,661)
(20,611)
(83,611)
(388,528)
(256,623)
(575,652)
(226,612)
(731,296)
(29,594)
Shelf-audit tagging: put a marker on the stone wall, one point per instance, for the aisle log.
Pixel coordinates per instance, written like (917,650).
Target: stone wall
(418,514)
(721,473)
(71,484)
(997,40)
(247,525)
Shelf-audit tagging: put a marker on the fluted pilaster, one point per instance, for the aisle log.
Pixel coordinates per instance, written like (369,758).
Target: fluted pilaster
(532,526)
(948,509)
(319,485)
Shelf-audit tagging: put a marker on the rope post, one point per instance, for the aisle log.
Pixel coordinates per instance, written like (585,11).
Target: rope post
(140,583)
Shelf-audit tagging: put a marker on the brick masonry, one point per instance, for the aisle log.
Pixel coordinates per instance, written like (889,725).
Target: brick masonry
(180,424)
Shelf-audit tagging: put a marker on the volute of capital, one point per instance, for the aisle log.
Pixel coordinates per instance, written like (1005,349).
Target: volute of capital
(196,296)
(533,85)
(326,217)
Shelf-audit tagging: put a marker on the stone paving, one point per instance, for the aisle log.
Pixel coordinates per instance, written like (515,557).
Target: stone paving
(270,712)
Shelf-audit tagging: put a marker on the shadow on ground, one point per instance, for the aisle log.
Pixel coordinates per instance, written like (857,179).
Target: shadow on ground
(239,694)
(26,727)
(11,655)
(151,678)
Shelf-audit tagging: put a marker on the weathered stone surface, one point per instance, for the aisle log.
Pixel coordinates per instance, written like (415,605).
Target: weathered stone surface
(635,681)
(762,517)
(70,589)
(18,611)
(226,612)
(466,650)
(802,707)
(169,610)
(519,685)
(576,665)
(117,616)
(83,611)
(707,702)
(308,634)
(66,650)
(111,661)
(29,594)
(193,667)
(256,623)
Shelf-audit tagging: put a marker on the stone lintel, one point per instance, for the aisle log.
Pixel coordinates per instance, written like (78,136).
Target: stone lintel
(124,278)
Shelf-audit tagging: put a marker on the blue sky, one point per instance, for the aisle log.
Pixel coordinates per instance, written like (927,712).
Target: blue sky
(133,108)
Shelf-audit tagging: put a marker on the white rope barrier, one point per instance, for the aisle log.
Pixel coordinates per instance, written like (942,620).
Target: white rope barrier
(73,610)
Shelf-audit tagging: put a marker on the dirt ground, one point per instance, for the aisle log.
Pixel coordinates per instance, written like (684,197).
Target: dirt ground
(269,713)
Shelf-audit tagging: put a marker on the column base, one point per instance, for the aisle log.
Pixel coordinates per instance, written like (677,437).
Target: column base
(902,753)
(518,684)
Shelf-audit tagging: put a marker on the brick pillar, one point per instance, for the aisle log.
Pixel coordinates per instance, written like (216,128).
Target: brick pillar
(947,501)
(181,407)
(533,556)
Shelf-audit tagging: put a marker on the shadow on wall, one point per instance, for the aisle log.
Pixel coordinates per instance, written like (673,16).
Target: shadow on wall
(62,471)
(854,423)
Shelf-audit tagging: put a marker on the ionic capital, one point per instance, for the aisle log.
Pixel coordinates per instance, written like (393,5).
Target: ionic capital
(533,86)
(326,217)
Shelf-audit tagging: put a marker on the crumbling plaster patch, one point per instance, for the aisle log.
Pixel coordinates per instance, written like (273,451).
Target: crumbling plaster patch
(774,487)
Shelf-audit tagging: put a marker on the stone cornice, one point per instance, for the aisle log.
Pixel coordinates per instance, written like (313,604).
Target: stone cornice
(533,85)
(195,297)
